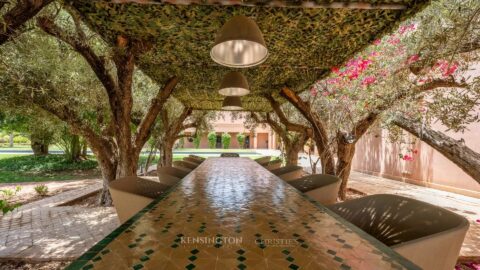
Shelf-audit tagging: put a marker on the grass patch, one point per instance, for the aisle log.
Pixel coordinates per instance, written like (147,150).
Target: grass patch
(48,163)
(15,177)
(6,147)
(17,168)
(29,168)
(6,156)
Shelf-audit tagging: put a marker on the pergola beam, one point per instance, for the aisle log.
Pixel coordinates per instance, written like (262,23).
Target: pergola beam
(286,4)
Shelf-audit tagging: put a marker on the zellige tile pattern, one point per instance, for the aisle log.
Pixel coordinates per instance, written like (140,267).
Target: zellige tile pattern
(231,213)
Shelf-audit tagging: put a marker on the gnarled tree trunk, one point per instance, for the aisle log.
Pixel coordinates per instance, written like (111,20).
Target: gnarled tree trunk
(10,140)
(293,146)
(345,153)
(291,155)
(75,149)
(84,148)
(166,154)
(464,157)
(320,135)
(14,18)
(109,172)
(39,148)
(128,165)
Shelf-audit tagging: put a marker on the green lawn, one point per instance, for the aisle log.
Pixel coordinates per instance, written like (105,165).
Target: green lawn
(6,156)
(25,147)
(16,168)
(28,168)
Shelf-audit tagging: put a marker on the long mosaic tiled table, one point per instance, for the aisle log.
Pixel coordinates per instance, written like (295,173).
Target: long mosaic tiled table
(231,213)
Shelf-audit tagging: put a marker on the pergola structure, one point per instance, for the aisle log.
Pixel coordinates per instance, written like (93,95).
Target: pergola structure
(305,39)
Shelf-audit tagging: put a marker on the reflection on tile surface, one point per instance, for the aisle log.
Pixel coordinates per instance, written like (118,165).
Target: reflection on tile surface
(231,213)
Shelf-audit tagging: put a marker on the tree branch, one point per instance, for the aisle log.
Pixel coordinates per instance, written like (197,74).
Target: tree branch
(189,125)
(156,105)
(18,15)
(284,120)
(464,157)
(319,128)
(65,113)
(96,63)
(365,123)
(257,119)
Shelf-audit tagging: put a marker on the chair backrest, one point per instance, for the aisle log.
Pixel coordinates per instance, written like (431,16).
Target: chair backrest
(197,157)
(263,160)
(184,165)
(193,160)
(286,169)
(314,181)
(177,172)
(273,162)
(394,219)
(229,155)
(139,186)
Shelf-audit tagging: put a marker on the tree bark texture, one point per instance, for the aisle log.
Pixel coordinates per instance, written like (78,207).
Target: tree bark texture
(39,148)
(16,17)
(166,154)
(171,131)
(320,135)
(118,148)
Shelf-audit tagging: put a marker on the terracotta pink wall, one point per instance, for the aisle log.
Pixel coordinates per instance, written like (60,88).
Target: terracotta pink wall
(262,140)
(375,155)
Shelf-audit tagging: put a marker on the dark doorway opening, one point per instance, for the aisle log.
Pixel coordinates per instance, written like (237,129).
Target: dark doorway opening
(219,141)
(246,144)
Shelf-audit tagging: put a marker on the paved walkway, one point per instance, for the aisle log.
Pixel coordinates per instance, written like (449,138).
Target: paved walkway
(44,230)
(466,206)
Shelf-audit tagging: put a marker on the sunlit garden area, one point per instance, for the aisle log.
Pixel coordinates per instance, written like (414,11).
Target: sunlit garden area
(240,134)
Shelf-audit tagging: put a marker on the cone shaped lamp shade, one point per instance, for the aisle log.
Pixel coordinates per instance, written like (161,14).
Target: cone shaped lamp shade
(234,84)
(232,103)
(239,44)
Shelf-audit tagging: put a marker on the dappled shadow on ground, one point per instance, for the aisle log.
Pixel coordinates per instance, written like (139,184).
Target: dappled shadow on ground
(28,194)
(47,230)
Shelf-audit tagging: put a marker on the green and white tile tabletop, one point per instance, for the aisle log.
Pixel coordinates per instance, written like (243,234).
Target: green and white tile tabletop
(231,213)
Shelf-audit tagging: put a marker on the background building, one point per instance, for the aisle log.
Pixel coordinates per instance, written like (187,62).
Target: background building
(260,138)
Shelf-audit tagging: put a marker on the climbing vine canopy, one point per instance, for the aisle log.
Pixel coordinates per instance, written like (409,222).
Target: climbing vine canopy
(303,42)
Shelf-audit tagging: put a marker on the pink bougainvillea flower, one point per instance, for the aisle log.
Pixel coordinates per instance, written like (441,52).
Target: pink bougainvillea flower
(335,70)
(363,65)
(450,70)
(332,81)
(368,81)
(393,40)
(407,158)
(353,75)
(326,93)
(313,91)
(446,68)
(377,42)
(407,28)
(478,220)
(412,59)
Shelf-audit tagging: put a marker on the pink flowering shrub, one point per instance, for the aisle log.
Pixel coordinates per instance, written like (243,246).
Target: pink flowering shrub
(380,61)
(408,157)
